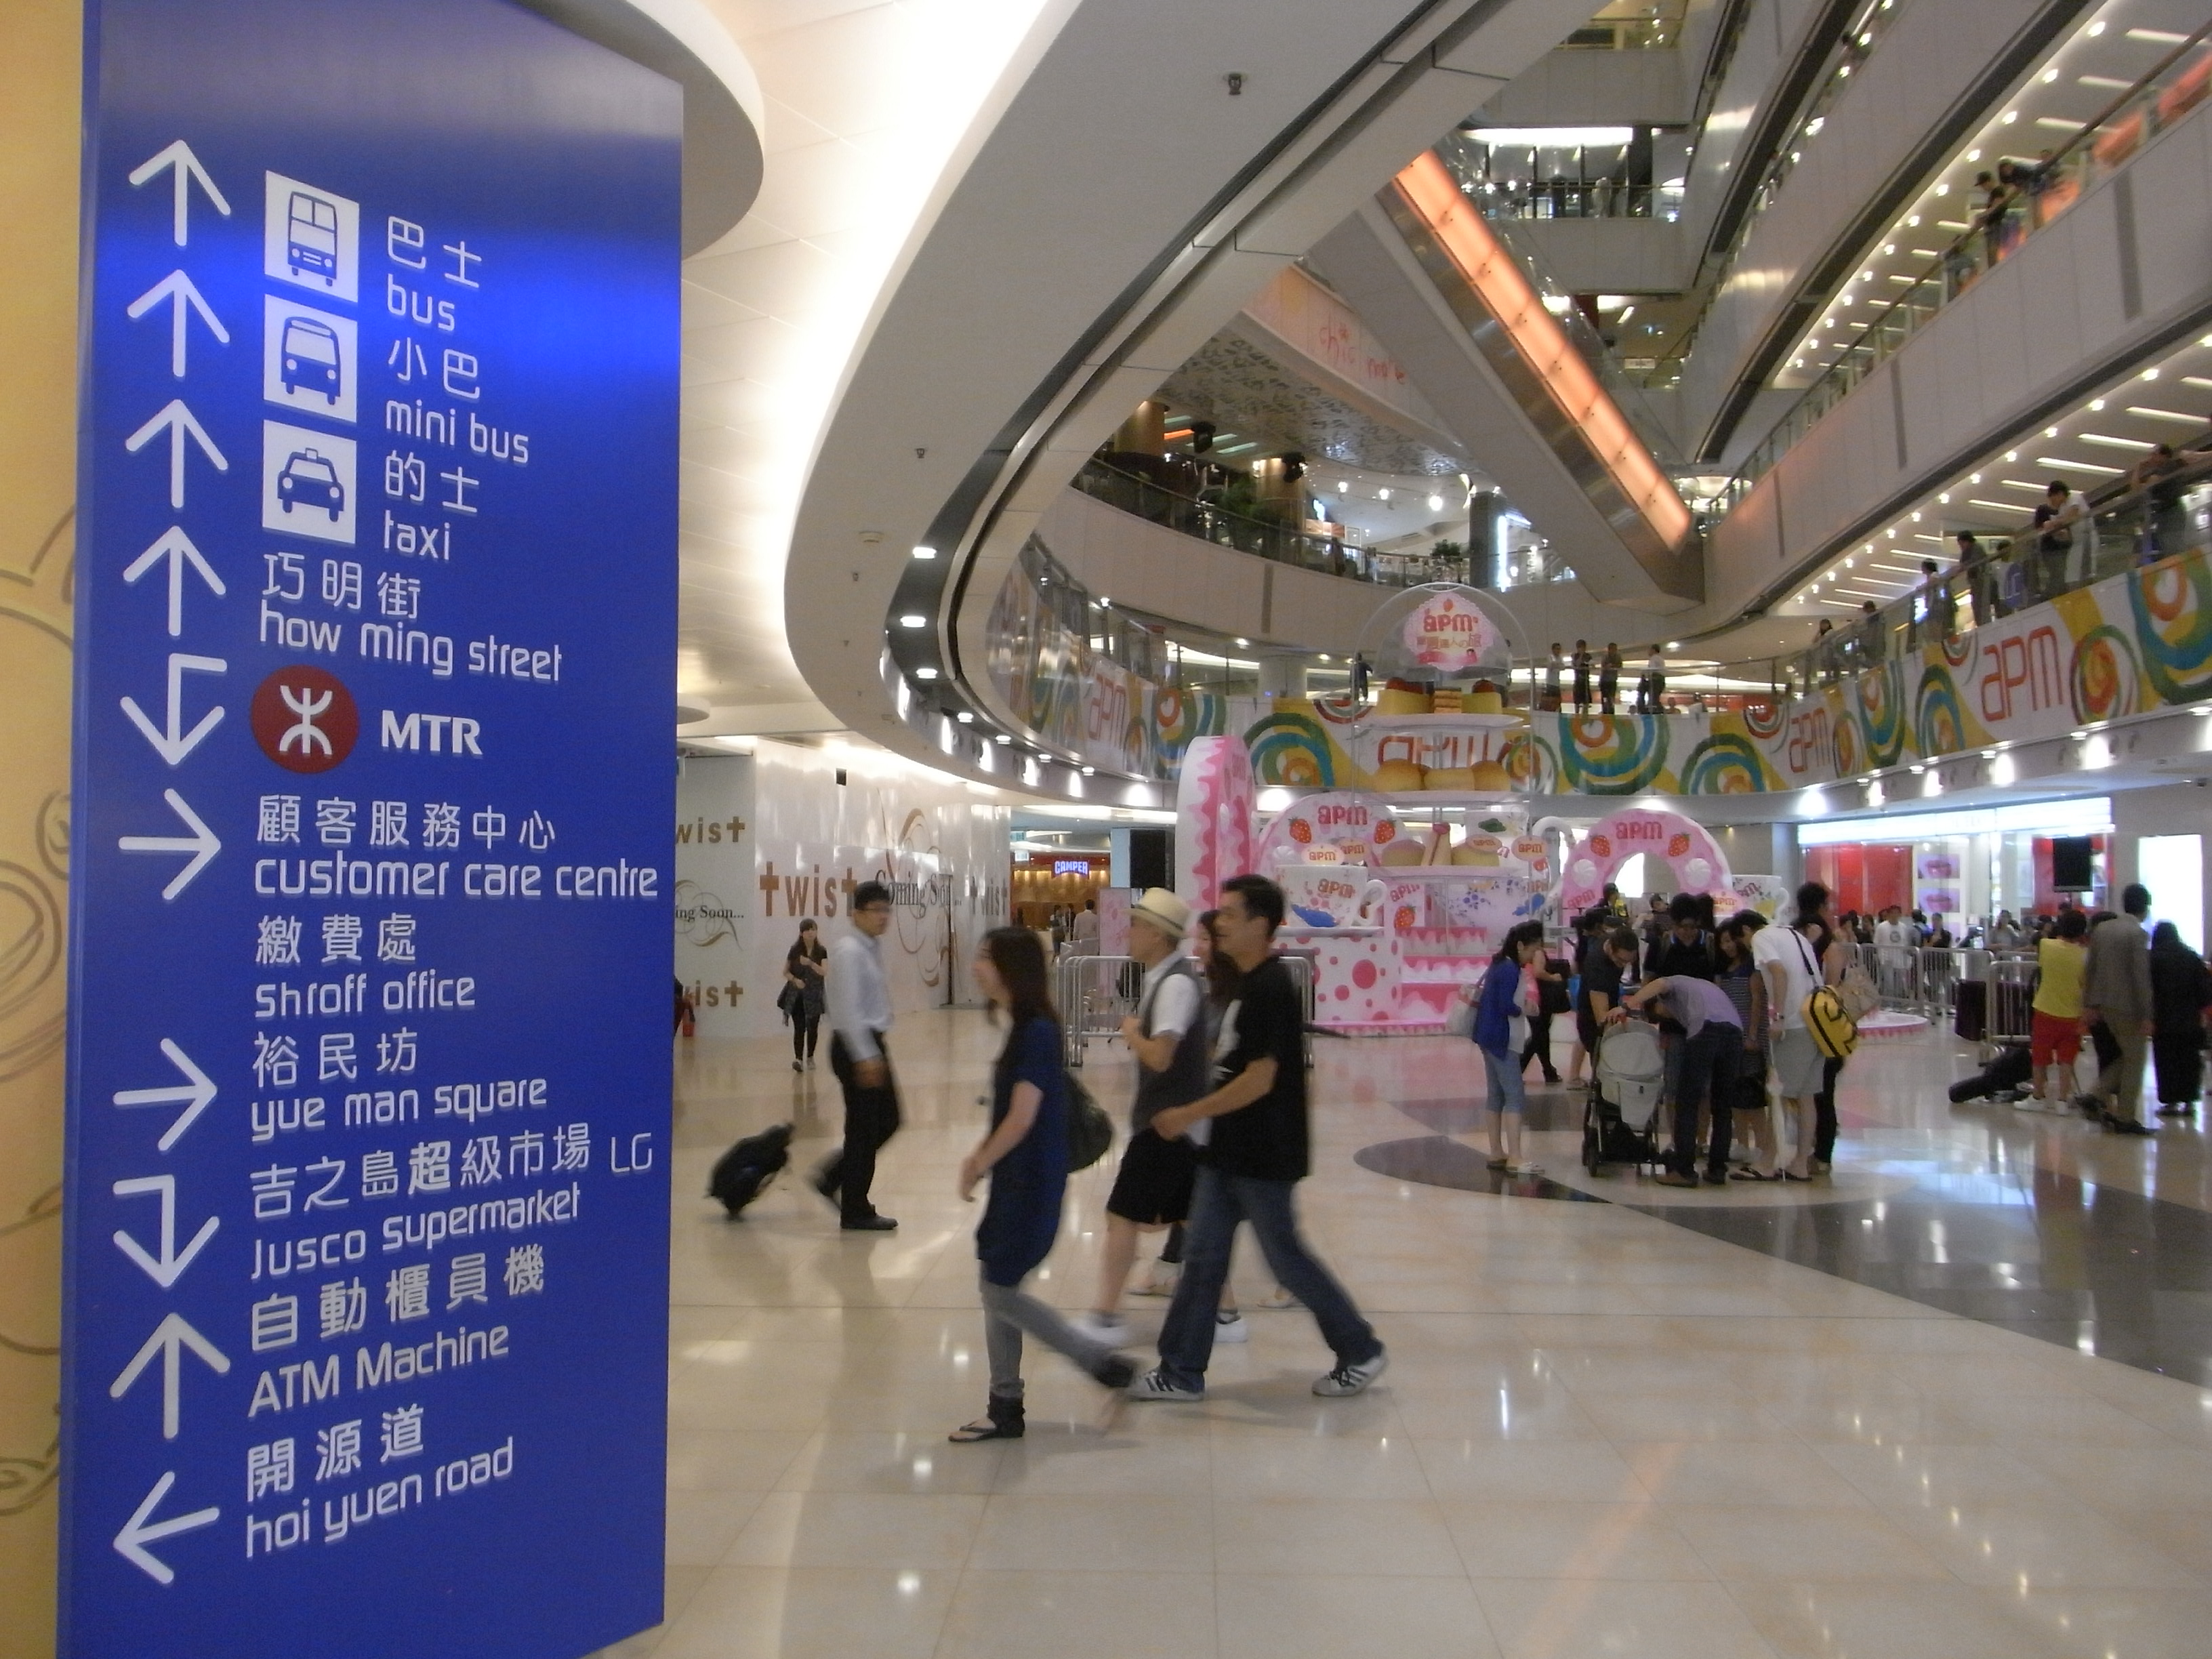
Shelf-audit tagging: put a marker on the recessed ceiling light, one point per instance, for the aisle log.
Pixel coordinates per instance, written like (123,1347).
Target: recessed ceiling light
(2150,374)
(911,620)
(1244,644)
(925,552)
(925,673)
(1436,503)
(1002,737)
(2096,405)
(965,718)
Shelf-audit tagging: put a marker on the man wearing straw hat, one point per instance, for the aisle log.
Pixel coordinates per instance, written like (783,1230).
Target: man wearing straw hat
(1168,1036)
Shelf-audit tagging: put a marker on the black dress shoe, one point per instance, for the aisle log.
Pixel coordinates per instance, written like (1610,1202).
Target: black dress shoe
(870,1224)
(2126,1125)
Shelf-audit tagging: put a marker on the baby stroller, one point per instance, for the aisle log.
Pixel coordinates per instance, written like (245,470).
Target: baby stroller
(1620,1125)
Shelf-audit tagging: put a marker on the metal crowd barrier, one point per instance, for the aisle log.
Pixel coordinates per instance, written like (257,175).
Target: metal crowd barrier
(1097,994)
(2012,996)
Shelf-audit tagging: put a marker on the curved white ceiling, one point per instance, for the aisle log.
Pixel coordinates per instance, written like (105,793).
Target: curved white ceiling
(867,110)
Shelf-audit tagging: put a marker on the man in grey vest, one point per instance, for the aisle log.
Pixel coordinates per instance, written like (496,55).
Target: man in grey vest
(2116,989)
(1168,1036)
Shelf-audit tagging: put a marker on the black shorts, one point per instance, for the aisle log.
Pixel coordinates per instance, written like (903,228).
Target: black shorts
(1154,1183)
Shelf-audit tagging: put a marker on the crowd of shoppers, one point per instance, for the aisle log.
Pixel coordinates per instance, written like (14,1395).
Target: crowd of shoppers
(1219,1133)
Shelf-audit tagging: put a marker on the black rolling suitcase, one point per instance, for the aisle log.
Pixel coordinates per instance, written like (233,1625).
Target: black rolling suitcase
(743,1173)
(1970,1021)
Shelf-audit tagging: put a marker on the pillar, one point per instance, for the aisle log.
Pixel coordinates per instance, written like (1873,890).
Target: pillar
(1485,535)
(1144,432)
(1282,674)
(38,116)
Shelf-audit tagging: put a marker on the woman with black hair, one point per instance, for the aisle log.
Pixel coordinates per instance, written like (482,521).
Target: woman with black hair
(1025,1154)
(803,995)
(2180,986)
(1499,1004)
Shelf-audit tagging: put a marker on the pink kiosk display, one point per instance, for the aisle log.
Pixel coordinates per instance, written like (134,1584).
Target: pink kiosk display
(1398,894)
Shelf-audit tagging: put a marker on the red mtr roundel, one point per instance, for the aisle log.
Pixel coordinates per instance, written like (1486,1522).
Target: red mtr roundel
(305,719)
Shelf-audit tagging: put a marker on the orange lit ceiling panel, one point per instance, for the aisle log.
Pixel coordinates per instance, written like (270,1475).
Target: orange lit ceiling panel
(1459,232)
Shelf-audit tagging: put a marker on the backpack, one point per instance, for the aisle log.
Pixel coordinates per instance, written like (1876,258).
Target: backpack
(1631,1069)
(1090,1130)
(743,1172)
(1835,1033)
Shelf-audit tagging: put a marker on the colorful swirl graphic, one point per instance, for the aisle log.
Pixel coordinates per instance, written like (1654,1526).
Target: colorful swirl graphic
(1763,717)
(1723,764)
(1939,724)
(1846,742)
(1611,754)
(1959,649)
(2173,605)
(1532,765)
(2107,682)
(1290,750)
(1881,712)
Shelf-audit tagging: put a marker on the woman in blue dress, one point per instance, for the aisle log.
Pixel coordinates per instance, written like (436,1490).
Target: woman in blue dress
(1025,1154)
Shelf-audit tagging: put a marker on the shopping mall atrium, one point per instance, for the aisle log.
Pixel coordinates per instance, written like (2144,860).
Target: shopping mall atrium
(1559,659)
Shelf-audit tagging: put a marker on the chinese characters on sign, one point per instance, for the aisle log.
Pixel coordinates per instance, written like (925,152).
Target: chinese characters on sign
(369,1071)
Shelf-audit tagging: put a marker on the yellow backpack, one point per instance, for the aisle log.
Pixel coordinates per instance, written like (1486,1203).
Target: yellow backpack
(1834,1031)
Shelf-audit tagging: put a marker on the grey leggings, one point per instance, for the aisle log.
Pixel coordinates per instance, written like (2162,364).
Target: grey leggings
(1009,1310)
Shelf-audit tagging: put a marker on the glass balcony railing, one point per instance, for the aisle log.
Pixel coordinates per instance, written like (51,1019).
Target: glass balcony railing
(1631,27)
(1210,521)
(2003,226)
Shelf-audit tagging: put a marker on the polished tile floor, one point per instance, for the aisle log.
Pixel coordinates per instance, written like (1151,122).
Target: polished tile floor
(1641,1427)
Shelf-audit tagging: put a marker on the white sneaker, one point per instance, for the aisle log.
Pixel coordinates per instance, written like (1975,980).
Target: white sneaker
(1347,1380)
(1107,1327)
(1166,1275)
(1230,1327)
(1154,1385)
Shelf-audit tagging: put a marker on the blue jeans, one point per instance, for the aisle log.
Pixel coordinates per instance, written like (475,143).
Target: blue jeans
(1217,1206)
(1507,1093)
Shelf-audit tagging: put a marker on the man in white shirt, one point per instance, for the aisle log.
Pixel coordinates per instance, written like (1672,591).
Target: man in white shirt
(1167,1034)
(860,1010)
(1893,939)
(1789,958)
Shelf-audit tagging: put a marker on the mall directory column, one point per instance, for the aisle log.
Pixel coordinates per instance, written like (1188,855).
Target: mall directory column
(367,1195)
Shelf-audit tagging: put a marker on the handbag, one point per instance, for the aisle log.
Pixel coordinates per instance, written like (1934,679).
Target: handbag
(1090,1130)
(786,1001)
(1856,992)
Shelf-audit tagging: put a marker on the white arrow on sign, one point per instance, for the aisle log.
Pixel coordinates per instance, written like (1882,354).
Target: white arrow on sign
(201,844)
(177,548)
(130,1543)
(178,422)
(170,1340)
(179,155)
(175,743)
(167,1269)
(178,290)
(194,1095)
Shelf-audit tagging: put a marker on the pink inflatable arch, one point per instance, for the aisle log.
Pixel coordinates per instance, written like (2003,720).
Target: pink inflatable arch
(1685,846)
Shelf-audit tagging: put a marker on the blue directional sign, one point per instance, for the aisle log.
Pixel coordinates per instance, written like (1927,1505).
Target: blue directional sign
(367,1205)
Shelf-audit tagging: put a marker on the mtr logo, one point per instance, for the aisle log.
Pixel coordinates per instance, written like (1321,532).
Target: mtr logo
(304,718)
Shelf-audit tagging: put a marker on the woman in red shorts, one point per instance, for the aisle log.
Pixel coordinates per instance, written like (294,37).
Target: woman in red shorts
(2055,1030)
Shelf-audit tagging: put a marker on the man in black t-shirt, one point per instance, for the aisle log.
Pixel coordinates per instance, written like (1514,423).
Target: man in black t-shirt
(1254,1148)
